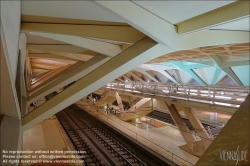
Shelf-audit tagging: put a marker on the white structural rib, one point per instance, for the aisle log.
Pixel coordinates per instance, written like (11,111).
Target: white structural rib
(97,46)
(146,22)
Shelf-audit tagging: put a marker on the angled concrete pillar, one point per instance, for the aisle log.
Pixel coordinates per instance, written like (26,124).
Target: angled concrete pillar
(189,70)
(233,76)
(178,75)
(185,132)
(118,32)
(193,147)
(199,128)
(134,75)
(86,43)
(222,66)
(121,80)
(166,74)
(195,76)
(119,102)
(143,72)
(140,109)
(164,33)
(69,77)
(53,76)
(130,99)
(149,76)
(133,56)
(216,75)
(103,97)
(126,77)
(138,105)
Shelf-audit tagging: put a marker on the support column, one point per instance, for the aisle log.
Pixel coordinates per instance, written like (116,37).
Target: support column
(195,76)
(143,72)
(95,79)
(222,66)
(67,78)
(193,147)
(216,76)
(139,104)
(104,96)
(189,70)
(119,102)
(199,128)
(140,109)
(185,132)
(166,74)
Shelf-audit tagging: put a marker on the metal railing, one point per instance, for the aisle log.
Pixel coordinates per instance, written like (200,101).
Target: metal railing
(137,137)
(213,131)
(231,96)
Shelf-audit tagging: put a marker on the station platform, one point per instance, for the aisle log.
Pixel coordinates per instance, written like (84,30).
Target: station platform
(163,140)
(47,135)
(210,117)
(161,137)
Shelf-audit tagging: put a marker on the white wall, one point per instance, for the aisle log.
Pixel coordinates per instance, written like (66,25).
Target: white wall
(10,22)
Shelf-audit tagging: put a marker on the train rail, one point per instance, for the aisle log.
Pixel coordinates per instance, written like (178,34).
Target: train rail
(100,147)
(165,117)
(79,143)
(213,130)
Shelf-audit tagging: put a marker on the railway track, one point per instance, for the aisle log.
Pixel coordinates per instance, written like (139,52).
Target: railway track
(165,117)
(100,148)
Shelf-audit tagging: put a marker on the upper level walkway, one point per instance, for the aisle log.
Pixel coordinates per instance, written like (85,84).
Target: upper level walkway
(219,98)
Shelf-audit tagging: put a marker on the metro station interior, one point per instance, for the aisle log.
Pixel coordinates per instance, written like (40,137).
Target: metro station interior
(124,83)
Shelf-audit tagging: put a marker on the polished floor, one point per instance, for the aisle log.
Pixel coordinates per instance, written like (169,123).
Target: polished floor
(211,117)
(47,135)
(44,136)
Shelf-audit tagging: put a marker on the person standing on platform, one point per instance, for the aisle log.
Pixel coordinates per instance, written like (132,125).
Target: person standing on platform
(107,107)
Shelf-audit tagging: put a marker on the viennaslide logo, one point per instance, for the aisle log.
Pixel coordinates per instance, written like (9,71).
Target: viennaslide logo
(235,155)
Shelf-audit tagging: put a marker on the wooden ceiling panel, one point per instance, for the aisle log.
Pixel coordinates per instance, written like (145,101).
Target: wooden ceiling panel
(52,61)
(78,57)
(205,52)
(45,66)
(50,56)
